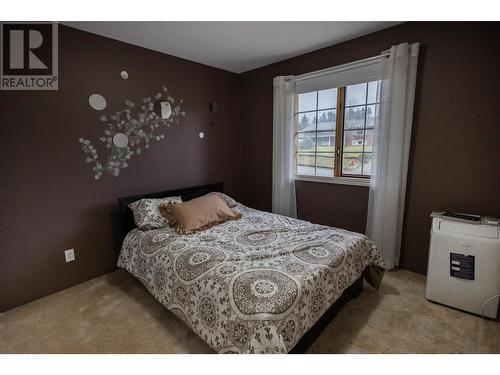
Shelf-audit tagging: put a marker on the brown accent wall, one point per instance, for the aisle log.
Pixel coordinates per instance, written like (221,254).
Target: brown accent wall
(455,147)
(49,199)
(342,206)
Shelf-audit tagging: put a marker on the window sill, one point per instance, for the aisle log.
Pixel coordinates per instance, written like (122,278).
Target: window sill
(335,180)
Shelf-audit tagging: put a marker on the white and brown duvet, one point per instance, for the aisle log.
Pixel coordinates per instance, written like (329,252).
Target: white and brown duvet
(254,285)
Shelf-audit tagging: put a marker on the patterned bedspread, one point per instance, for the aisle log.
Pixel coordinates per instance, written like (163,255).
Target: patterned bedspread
(254,285)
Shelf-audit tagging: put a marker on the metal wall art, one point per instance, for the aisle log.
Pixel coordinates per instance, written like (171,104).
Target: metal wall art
(127,132)
(97,102)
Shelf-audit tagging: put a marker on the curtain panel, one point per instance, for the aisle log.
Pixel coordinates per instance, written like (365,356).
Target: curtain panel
(391,149)
(284,202)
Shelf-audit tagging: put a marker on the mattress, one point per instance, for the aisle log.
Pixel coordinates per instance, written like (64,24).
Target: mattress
(254,285)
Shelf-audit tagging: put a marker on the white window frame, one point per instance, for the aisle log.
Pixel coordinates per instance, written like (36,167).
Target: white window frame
(360,71)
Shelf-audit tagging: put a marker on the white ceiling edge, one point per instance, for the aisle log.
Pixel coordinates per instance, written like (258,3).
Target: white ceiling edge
(233,46)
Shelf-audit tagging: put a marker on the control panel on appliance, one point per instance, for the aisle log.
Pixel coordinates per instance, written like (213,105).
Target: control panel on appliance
(462,266)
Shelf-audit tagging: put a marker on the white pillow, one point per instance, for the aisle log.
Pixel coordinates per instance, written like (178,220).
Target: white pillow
(147,213)
(230,202)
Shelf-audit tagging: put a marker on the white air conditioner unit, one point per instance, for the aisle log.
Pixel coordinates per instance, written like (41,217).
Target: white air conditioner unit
(464,262)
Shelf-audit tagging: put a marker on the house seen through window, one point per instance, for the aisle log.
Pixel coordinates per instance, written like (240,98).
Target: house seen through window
(335,130)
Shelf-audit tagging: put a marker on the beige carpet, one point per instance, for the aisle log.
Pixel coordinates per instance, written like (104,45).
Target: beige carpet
(115,314)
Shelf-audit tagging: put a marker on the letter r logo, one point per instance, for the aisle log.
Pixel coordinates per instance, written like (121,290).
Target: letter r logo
(35,40)
(27,49)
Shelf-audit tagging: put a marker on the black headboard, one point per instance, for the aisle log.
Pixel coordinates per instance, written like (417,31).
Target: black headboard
(126,216)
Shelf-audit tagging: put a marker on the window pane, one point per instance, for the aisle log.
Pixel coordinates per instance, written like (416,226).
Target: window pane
(351,163)
(354,118)
(367,164)
(372,112)
(374,92)
(355,94)
(306,142)
(327,120)
(327,99)
(324,164)
(326,141)
(307,101)
(305,163)
(353,140)
(368,140)
(306,121)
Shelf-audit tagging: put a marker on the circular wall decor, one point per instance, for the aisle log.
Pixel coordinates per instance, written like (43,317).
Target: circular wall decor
(166,110)
(97,101)
(124,74)
(120,140)
(201,135)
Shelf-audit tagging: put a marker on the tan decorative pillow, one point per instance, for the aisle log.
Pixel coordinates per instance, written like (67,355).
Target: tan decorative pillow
(197,214)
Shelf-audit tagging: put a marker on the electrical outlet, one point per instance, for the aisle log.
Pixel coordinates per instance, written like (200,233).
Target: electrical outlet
(69,255)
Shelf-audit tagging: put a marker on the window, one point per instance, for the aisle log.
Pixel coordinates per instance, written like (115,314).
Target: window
(316,125)
(335,130)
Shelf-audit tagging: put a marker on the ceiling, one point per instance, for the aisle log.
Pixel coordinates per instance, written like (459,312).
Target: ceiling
(233,46)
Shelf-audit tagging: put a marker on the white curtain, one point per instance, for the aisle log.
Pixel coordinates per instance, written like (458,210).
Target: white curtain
(283,147)
(390,151)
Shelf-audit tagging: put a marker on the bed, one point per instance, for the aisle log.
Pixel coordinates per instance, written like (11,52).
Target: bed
(265,283)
